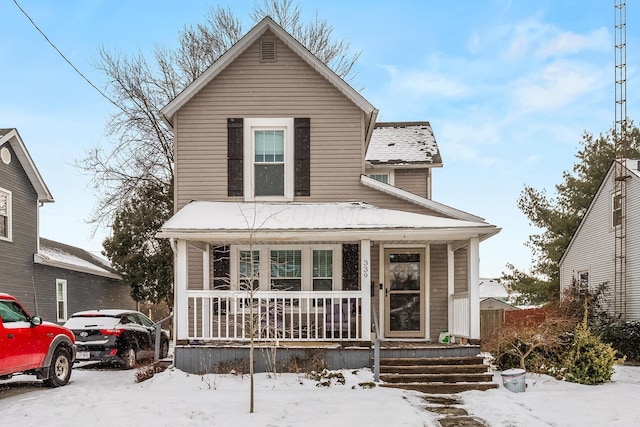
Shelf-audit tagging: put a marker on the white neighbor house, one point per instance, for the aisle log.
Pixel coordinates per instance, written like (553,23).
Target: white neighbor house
(590,256)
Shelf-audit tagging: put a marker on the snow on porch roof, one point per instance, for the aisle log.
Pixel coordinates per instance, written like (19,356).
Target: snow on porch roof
(209,219)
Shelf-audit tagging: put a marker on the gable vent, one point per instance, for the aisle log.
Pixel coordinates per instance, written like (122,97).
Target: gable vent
(268,51)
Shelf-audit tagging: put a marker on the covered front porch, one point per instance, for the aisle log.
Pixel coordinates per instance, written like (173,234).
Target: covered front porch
(342,273)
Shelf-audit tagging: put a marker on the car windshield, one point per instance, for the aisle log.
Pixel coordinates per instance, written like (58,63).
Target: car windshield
(82,322)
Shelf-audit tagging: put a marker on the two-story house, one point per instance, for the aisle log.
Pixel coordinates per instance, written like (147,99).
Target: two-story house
(52,279)
(608,233)
(295,208)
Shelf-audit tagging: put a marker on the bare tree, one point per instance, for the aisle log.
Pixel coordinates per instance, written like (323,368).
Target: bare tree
(140,87)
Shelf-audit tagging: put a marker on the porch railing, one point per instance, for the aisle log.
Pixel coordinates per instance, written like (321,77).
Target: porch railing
(274,315)
(461,315)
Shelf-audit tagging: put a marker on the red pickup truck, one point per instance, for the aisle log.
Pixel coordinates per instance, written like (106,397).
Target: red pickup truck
(30,346)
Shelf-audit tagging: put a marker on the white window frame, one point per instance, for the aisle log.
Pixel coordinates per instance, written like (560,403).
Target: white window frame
(9,236)
(61,284)
(265,264)
(254,124)
(613,210)
(582,286)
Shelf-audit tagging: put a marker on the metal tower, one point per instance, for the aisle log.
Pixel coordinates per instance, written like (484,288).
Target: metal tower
(619,201)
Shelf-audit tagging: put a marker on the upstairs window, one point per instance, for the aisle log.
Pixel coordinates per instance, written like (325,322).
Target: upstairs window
(583,280)
(268,166)
(268,172)
(616,210)
(5,214)
(61,299)
(382,177)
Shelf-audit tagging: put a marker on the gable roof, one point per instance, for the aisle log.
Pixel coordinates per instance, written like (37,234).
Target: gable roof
(247,40)
(632,166)
(60,255)
(12,137)
(402,144)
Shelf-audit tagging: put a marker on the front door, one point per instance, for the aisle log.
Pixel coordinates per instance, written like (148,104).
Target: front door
(404,293)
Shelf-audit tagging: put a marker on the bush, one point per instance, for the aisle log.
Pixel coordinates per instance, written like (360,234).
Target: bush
(534,347)
(624,337)
(589,360)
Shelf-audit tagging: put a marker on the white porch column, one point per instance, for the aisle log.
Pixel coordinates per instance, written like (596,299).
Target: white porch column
(365,287)
(182,308)
(473,280)
(206,285)
(450,286)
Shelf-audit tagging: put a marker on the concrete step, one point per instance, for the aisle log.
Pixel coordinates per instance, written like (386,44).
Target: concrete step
(432,369)
(439,378)
(426,361)
(442,388)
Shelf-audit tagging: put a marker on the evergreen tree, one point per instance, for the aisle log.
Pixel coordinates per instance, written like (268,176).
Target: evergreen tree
(558,217)
(144,261)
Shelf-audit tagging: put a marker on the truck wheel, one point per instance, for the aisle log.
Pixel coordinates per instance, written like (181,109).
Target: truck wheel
(60,368)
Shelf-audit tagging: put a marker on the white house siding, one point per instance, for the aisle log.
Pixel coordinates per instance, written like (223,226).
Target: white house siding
(593,246)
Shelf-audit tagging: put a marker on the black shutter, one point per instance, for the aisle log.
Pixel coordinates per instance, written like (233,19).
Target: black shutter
(302,143)
(235,133)
(350,267)
(221,268)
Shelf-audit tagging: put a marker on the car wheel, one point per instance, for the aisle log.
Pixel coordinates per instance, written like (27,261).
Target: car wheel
(164,349)
(128,359)
(60,368)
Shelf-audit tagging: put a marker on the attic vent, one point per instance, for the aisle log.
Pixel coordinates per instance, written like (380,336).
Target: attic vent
(268,51)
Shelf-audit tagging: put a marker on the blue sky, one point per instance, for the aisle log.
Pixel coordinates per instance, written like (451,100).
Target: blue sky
(508,86)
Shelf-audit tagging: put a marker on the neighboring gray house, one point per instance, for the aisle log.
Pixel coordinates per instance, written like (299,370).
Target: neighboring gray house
(590,255)
(285,183)
(52,279)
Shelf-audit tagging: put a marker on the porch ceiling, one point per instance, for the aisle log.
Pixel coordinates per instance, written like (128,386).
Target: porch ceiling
(228,222)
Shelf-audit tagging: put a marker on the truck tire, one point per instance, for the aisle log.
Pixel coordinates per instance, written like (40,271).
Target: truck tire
(59,369)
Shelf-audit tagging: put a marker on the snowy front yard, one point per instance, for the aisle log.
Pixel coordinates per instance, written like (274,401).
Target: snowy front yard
(174,398)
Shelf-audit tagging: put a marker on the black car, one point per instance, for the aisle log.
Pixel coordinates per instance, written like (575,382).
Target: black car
(120,337)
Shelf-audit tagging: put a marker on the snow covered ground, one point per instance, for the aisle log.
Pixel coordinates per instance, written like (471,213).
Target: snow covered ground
(175,398)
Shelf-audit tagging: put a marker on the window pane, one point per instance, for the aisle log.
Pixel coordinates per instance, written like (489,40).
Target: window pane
(322,284)
(323,263)
(286,270)
(4,202)
(249,270)
(380,177)
(60,291)
(269,146)
(269,180)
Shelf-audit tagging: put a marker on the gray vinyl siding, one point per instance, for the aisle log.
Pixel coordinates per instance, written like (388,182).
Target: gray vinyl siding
(16,256)
(412,180)
(438,291)
(593,247)
(84,292)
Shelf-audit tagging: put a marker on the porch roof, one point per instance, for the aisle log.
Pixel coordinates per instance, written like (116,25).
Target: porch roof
(298,222)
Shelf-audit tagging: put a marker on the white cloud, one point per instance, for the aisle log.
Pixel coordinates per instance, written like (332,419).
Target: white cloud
(571,43)
(424,82)
(557,85)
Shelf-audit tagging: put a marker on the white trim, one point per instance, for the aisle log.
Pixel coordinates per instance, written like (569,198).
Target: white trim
(181,286)
(420,201)
(27,163)
(365,285)
(63,284)
(451,290)
(250,126)
(473,279)
(9,236)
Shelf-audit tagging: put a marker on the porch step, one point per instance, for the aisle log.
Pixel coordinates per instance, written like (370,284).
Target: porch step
(436,375)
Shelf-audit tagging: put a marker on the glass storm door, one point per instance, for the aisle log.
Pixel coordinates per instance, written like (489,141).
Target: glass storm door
(404,293)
